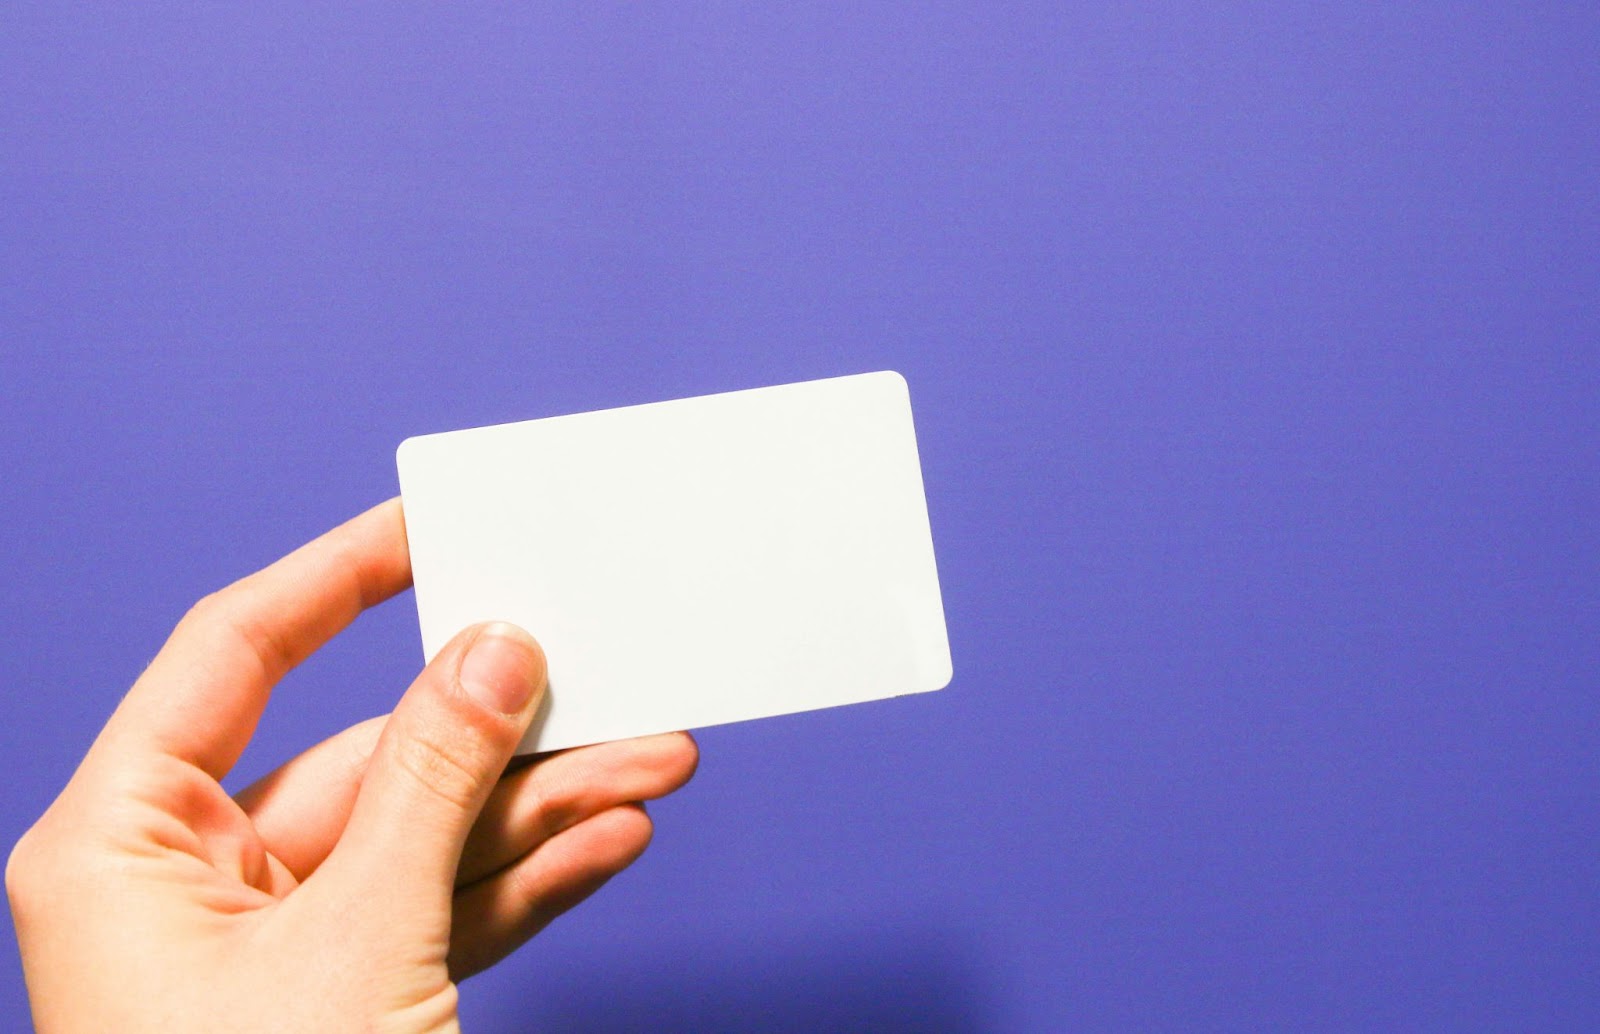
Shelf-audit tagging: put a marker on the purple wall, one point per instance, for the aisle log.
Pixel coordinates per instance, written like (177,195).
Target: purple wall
(1257,370)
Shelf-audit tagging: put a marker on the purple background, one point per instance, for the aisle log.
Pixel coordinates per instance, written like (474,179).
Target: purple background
(1254,350)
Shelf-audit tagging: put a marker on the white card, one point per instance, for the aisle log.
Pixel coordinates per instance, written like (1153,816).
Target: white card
(692,562)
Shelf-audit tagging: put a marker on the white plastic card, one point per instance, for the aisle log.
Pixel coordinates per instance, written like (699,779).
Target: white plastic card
(692,562)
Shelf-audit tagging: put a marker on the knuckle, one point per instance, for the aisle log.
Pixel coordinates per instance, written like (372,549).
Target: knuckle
(526,883)
(22,864)
(202,612)
(222,613)
(556,801)
(16,868)
(441,769)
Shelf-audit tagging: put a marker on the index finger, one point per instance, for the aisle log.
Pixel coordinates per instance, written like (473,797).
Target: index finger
(201,697)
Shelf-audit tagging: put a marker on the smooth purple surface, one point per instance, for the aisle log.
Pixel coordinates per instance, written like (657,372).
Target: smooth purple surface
(1256,357)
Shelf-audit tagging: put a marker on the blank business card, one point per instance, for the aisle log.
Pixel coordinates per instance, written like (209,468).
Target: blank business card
(692,562)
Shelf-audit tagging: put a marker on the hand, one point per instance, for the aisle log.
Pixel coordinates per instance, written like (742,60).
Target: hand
(351,888)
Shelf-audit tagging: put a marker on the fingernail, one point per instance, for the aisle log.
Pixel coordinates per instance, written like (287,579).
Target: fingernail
(503,668)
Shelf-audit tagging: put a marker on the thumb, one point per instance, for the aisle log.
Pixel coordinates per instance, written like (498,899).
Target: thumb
(440,754)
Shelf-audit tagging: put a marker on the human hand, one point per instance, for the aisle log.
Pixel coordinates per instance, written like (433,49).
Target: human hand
(354,886)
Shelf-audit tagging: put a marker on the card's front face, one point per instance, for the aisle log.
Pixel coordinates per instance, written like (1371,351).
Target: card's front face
(692,562)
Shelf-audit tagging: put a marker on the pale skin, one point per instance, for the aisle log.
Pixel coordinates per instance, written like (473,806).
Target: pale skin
(351,889)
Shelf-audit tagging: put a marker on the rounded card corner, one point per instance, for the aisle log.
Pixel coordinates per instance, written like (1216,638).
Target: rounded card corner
(898,379)
(402,450)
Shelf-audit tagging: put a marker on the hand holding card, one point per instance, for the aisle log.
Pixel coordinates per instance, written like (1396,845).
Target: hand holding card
(691,562)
